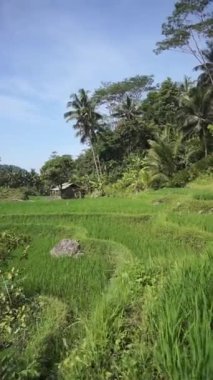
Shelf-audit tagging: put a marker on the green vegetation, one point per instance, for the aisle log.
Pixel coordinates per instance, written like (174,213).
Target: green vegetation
(137,305)
(56,170)
(13,177)
(20,193)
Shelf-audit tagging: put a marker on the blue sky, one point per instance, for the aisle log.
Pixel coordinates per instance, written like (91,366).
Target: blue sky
(51,48)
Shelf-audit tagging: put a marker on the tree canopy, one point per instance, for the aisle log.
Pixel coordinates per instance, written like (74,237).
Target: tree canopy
(191,21)
(57,170)
(114,92)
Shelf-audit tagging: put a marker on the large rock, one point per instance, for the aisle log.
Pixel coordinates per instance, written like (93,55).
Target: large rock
(67,247)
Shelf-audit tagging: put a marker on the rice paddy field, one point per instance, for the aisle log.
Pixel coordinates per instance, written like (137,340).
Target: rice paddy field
(138,303)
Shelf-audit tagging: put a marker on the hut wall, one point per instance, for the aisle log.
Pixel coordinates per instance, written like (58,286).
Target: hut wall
(68,193)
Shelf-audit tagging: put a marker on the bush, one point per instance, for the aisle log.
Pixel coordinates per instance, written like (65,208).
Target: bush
(182,177)
(9,241)
(25,196)
(205,165)
(14,194)
(17,311)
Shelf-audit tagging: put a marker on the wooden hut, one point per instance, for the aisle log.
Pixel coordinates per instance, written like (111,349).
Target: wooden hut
(67,191)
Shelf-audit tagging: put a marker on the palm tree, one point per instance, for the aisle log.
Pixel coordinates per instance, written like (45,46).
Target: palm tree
(164,157)
(82,109)
(205,79)
(127,111)
(197,110)
(185,88)
(186,85)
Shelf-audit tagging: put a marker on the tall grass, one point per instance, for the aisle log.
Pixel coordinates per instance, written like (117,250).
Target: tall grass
(182,324)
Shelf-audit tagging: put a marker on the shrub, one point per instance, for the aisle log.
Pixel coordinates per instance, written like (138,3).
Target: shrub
(182,177)
(14,194)
(205,165)
(9,241)
(17,311)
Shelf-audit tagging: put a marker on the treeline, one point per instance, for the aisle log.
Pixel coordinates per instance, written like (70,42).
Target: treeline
(14,177)
(136,141)
(143,141)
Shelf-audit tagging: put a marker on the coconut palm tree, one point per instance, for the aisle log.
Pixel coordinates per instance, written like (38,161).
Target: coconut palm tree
(186,85)
(164,157)
(168,154)
(127,111)
(82,110)
(205,79)
(197,110)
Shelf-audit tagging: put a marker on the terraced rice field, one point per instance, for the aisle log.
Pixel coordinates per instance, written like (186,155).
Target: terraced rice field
(138,304)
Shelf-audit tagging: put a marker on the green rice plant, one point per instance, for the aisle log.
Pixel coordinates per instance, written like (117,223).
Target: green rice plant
(182,324)
(109,349)
(46,345)
(204,196)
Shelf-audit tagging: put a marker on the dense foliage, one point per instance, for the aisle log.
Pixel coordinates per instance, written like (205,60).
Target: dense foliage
(167,131)
(57,170)
(15,177)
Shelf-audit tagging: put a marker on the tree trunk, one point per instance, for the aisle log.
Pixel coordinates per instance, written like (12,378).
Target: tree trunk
(99,165)
(205,143)
(95,160)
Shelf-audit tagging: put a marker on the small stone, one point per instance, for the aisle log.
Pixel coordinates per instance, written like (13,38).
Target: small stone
(67,247)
